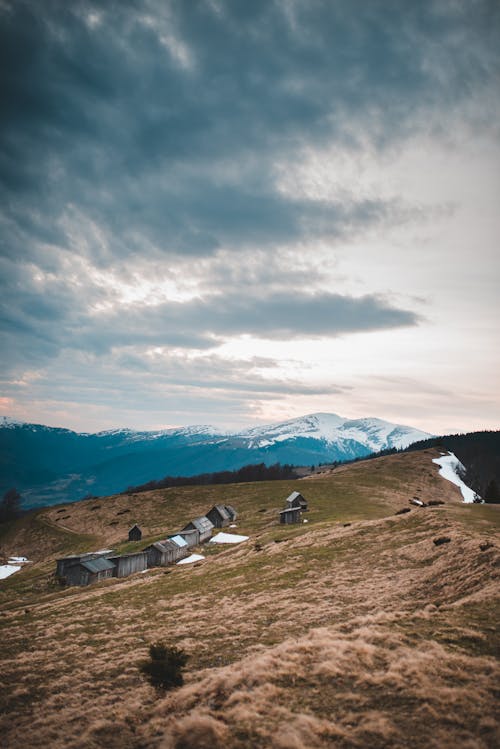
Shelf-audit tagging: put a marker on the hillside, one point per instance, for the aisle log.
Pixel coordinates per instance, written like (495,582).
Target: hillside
(49,465)
(352,630)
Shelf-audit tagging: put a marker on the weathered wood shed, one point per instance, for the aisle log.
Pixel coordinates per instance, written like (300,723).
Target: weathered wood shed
(135,533)
(64,563)
(290,515)
(192,537)
(201,524)
(296,500)
(219,516)
(89,571)
(163,553)
(127,564)
(232,512)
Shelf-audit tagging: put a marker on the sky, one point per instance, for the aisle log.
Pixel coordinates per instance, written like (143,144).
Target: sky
(233,212)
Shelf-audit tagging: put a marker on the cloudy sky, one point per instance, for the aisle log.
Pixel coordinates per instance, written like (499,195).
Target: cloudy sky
(232,212)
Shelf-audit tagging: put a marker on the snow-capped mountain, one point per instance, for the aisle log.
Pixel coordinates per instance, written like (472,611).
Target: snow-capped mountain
(50,465)
(374,434)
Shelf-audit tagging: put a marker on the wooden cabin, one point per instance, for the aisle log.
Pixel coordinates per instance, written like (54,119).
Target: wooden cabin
(128,564)
(65,563)
(290,515)
(163,553)
(296,500)
(201,524)
(219,516)
(89,571)
(192,537)
(232,512)
(179,540)
(135,533)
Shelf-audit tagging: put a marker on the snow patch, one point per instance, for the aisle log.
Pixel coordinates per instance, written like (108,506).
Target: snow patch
(191,558)
(8,569)
(450,468)
(227,538)
(14,564)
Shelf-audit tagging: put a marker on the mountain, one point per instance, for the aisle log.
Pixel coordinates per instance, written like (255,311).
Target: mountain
(50,465)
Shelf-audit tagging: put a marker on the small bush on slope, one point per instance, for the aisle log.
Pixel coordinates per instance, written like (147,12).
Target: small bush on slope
(164,667)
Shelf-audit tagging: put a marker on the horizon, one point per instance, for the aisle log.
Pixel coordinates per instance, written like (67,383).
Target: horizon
(240,213)
(7,420)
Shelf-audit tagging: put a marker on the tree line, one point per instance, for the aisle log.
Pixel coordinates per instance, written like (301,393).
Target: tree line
(246,474)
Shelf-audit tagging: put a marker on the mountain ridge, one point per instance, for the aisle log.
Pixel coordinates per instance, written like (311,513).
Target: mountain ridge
(51,464)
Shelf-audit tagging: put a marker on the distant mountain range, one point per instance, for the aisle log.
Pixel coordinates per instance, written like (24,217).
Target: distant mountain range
(50,465)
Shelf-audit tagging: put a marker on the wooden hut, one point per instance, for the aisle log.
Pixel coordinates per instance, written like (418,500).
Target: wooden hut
(135,533)
(163,553)
(65,563)
(232,512)
(201,524)
(128,564)
(219,516)
(192,537)
(89,571)
(296,500)
(290,515)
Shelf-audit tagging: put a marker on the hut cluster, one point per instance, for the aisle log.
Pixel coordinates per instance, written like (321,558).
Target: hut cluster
(295,506)
(84,569)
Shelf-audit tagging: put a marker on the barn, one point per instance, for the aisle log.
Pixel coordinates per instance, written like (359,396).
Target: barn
(127,564)
(89,571)
(135,533)
(290,515)
(201,524)
(296,500)
(219,516)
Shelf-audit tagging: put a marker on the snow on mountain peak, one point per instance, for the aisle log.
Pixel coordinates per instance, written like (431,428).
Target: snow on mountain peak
(374,433)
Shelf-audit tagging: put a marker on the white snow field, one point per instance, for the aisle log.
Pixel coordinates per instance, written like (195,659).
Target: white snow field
(14,564)
(191,558)
(227,538)
(450,468)
(8,569)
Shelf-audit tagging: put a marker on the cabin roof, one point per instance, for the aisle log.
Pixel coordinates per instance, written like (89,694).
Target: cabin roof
(222,510)
(98,565)
(201,524)
(134,526)
(130,554)
(179,540)
(294,495)
(158,545)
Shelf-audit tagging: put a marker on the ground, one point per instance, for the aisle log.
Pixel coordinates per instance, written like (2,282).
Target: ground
(353,630)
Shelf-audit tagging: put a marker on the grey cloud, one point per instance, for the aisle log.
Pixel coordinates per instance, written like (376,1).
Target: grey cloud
(172,383)
(105,118)
(292,315)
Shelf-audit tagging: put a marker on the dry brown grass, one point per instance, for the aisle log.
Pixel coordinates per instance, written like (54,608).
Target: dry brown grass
(360,636)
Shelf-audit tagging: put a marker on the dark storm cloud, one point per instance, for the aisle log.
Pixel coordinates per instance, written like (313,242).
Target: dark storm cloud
(153,130)
(101,110)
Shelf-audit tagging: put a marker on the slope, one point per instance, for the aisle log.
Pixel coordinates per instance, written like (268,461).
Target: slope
(365,634)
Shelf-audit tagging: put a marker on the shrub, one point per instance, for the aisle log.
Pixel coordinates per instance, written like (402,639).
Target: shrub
(164,667)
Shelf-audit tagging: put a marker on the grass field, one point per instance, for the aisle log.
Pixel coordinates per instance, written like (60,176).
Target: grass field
(353,630)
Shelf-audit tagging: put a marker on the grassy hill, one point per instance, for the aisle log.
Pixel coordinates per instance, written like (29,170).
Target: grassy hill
(353,630)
